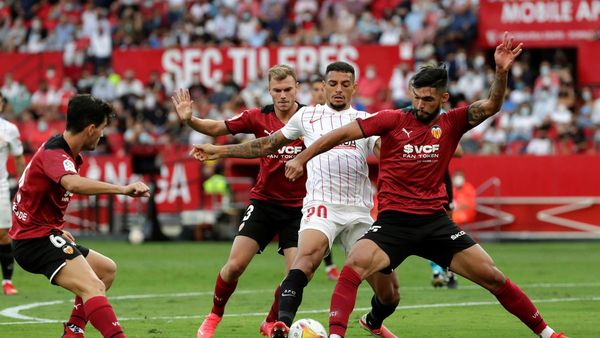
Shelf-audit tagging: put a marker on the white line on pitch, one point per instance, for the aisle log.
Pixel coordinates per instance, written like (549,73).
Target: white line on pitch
(14,312)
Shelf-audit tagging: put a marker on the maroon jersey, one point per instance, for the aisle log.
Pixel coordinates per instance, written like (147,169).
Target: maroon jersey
(414,158)
(40,203)
(271,185)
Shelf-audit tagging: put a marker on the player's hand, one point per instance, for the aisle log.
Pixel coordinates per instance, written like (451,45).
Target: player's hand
(137,189)
(204,152)
(68,236)
(505,54)
(294,169)
(183,104)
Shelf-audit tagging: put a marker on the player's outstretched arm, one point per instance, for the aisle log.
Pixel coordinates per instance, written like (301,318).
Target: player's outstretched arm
(85,186)
(256,148)
(504,57)
(183,107)
(295,167)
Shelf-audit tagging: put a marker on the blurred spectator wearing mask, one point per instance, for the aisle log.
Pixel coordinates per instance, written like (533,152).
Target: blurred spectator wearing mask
(464,199)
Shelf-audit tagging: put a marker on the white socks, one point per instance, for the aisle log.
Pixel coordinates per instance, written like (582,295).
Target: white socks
(547,332)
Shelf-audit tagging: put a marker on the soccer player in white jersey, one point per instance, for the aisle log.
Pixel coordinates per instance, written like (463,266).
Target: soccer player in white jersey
(338,198)
(10,143)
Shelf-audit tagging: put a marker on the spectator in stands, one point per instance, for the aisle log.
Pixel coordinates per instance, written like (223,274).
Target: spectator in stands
(541,144)
(464,199)
(369,85)
(101,48)
(103,88)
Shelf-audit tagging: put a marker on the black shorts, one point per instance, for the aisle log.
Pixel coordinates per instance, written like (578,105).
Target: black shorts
(46,255)
(263,220)
(449,205)
(434,237)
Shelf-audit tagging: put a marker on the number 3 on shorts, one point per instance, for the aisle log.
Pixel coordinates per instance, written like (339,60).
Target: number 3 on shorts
(248,213)
(57,241)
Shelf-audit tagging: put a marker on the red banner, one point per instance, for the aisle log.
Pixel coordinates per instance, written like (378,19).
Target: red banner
(246,63)
(539,23)
(588,68)
(178,185)
(29,68)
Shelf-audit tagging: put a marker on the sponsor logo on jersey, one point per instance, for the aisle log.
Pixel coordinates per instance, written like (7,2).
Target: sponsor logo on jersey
(68,249)
(436,131)
(407,132)
(346,145)
(67,196)
(286,152)
(421,151)
(458,234)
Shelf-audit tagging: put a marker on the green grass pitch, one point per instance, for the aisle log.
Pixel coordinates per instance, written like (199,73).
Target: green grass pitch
(165,289)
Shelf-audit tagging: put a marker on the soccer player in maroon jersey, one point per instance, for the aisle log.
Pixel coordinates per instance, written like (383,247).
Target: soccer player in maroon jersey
(416,147)
(275,202)
(40,243)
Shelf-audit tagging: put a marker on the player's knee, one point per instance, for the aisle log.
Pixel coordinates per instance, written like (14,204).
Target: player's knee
(234,269)
(90,288)
(493,279)
(109,270)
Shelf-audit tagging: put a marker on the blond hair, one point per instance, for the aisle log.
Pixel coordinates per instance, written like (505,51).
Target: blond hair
(280,72)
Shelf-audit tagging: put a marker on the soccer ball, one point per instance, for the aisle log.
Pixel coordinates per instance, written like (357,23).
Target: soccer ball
(307,328)
(136,236)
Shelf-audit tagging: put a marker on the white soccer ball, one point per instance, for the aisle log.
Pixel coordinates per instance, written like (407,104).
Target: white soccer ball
(307,328)
(136,236)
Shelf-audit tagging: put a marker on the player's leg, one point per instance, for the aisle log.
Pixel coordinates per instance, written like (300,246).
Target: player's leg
(78,277)
(6,252)
(312,245)
(288,247)
(242,251)
(476,265)
(383,303)
(6,259)
(365,259)
(106,269)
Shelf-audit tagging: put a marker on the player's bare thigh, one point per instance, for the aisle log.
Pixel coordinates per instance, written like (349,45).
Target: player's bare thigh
(78,277)
(104,267)
(312,245)
(475,264)
(367,258)
(242,252)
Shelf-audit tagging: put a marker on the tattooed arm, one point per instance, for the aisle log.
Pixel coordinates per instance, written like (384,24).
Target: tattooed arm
(504,56)
(256,148)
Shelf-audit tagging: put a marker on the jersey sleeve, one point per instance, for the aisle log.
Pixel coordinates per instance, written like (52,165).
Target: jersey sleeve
(458,117)
(14,141)
(241,123)
(378,123)
(57,164)
(293,129)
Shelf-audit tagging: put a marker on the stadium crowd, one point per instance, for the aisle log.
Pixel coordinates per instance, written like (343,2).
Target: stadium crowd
(545,112)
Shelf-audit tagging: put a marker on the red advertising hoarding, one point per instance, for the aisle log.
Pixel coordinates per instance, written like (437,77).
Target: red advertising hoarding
(539,23)
(246,63)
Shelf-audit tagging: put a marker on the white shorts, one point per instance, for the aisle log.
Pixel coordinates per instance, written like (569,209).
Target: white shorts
(5,209)
(343,223)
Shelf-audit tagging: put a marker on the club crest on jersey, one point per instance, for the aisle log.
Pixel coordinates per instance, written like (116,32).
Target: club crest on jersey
(436,131)
(68,249)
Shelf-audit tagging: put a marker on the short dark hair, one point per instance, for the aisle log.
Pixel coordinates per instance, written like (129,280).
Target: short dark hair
(431,75)
(340,66)
(85,109)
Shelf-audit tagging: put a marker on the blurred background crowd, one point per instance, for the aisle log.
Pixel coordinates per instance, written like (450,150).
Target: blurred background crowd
(545,112)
